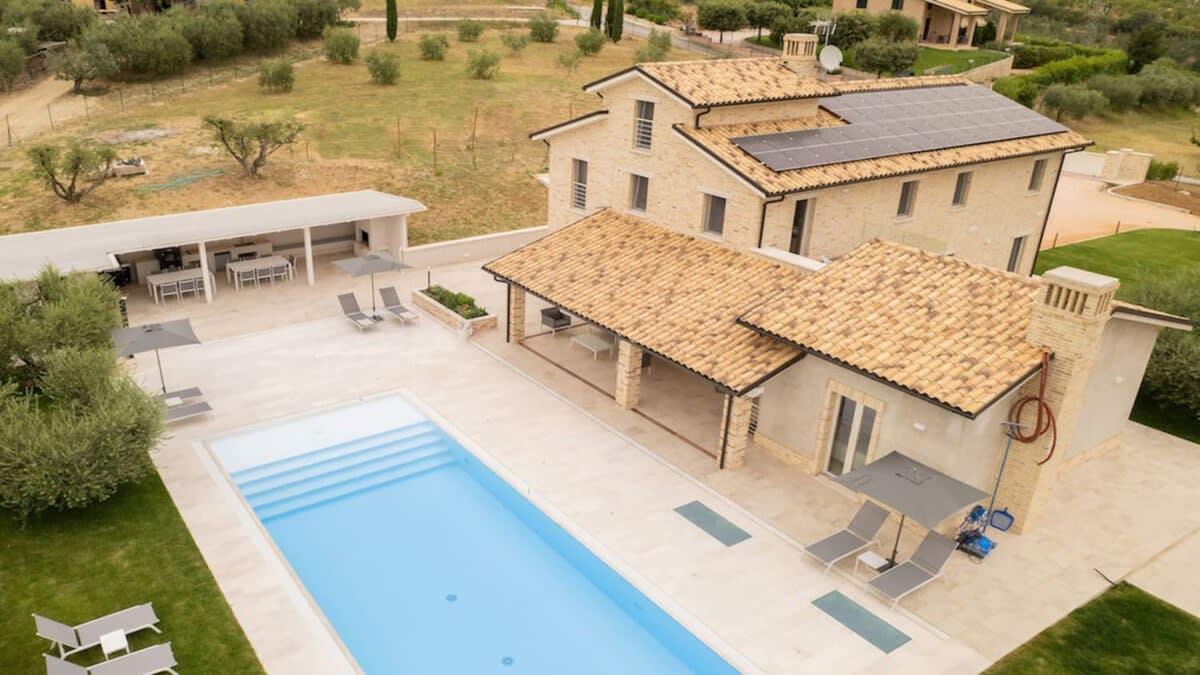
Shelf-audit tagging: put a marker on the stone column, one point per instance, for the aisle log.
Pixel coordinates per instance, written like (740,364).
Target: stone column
(954,24)
(629,375)
(308,257)
(1069,315)
(204,272)
(1001,28)
(1016,25)
(735,430)
(516,313)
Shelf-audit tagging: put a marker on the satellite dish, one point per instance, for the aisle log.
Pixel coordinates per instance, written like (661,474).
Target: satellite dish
(830,58)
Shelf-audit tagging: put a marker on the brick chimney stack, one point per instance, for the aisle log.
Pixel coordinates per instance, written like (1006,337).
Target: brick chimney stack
(1069,314)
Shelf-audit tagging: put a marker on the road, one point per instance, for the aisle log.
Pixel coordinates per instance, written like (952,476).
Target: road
(1083,209)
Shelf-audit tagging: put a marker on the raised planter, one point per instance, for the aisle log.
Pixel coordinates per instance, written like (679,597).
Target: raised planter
(449,317)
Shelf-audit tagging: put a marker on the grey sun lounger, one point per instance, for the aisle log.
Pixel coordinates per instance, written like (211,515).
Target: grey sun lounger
(156,659)
(924,566)
(352,312)
(181,412)
(391,303)
(70,639)
(862,531)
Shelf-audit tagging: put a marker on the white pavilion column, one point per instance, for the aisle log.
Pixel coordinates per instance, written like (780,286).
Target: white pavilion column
(954,25)
(208,291)
(308,256)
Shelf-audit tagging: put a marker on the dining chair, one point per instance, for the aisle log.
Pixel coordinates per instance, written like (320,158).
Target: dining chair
(280,272)
(264,274)
(246,277)
(187,286)
(169,289)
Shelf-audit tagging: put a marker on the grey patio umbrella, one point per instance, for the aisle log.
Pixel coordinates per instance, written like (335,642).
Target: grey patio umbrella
(372,263)
(915,490)
(153,337)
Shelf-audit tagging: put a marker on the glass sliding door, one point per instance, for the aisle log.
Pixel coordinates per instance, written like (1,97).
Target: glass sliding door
(851,438)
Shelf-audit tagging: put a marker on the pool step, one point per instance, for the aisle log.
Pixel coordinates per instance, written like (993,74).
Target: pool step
(254,473)
(352,455)
(334,474)
(359,483)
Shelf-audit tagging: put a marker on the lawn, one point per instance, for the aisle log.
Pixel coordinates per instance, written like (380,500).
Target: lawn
(79,565)
(1165,134)
(955,61)
(358,135)
(1131,257)
(1124,630)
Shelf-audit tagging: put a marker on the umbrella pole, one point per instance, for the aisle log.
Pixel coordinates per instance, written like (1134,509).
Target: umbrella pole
(161,380)
(896,546)
(372,292)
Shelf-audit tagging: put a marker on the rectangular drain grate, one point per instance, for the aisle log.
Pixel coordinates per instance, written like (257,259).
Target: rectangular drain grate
(856,617)
(713,523)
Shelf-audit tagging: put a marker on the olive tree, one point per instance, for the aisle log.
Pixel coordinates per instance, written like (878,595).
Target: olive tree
(251,142)
(268,24)
(896,27)
(1073,100)
(12,63)
(74,171)
(1173,373)
(721,16)
(384,67)
(83,61)
(341,45)
(764,13)
(880,56)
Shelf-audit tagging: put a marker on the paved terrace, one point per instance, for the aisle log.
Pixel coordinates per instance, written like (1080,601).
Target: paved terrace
(277,352)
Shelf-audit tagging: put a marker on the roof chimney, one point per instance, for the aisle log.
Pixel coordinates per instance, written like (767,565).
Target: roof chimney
(800,53)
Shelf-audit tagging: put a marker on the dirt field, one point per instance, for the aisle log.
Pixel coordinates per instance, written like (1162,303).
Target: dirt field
(1165,192)
(359,135)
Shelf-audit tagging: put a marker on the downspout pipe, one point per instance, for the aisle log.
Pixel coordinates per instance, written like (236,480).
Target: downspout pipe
(762,217)
(725,431)
(1046,221)
(702,113)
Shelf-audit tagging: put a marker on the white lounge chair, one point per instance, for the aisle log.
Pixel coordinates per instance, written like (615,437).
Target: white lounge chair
(353,314)
(392,304)
(156,659)
(862,531)
(70,639)
(924,566)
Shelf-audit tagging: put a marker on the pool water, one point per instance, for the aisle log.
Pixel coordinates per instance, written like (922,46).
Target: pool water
(425,561)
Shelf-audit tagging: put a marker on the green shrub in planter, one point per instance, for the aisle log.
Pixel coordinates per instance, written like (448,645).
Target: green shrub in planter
(383,66)
(276,75)
(341,45)
(1162,170)
(469,30)
(460,303)
(433,46)
(483,64)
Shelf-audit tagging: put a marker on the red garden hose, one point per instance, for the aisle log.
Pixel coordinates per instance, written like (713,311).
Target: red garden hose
(1045,416)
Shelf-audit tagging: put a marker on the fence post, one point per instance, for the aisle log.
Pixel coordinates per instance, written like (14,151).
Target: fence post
(121,96)
(8,128)
(1118,231)
(86,113)
(1055,244)
(435,166)
(474,126)
(399,145)
(51,115)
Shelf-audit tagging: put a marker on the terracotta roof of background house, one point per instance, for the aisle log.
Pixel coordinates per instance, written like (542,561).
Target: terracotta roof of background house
(717,82)
(1005,5)
(893,83)
(961,7)
(946,330)
(717,142)
(674,294)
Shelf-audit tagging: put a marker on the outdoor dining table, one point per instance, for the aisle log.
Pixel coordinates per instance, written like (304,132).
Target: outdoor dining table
(254,264)
(156,281)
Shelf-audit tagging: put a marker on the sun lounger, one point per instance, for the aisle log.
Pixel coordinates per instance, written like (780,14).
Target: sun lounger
(924,566)
(391,303)
(181,412)
(858,535)
(70,639)
(190,392)
(352,312)
(156,659)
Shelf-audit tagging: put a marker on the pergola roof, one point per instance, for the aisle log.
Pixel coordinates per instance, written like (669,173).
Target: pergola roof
(675,295)
(92,247)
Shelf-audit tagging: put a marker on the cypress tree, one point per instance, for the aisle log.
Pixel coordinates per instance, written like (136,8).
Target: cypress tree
(614,22)
(597,14)
(391,20)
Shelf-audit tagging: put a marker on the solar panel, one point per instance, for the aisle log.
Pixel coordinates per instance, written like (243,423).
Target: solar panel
(884,123)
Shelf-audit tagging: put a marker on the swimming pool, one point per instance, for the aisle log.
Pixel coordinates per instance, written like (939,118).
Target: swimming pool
(425,561)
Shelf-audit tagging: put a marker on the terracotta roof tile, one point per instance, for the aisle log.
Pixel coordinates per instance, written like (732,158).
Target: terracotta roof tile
(942,328)
(676,295)
(725,81)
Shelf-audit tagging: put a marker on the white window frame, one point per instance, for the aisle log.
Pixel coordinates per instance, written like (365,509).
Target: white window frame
(903,210)
(632,192)
(962,180)
(643,129)
(579,189)
(705,210)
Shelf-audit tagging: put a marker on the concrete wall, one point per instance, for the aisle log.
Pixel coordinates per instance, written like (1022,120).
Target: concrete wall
(794,404)
(1113,383)
(484,247)
(998,209)
(1125,166)
(759,112)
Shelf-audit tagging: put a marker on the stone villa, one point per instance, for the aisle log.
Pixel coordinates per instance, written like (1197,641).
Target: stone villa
(665,147)
(843,309)
(948,24)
